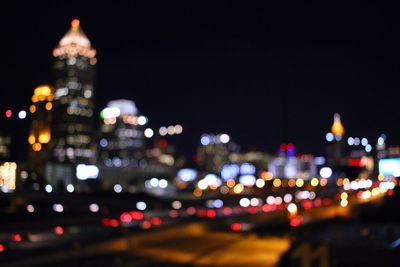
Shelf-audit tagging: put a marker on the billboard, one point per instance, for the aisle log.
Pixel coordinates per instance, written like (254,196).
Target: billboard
(390,167)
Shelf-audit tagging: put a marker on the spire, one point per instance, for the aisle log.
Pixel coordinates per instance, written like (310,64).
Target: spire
(74,42)
(337,127)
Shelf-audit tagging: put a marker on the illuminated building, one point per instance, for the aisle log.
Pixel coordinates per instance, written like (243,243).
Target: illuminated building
(7,176)
(40,133)
(214,152)
(122,141)
(5,142)
(124,161)
(72,127)
(335,142)
(288,166)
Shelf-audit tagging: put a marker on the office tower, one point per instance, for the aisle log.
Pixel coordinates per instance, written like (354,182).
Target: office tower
(74,69)
(40,130)
(122,140)
(335,140)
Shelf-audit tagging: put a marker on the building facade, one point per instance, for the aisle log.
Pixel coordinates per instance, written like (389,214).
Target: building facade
(74,70)
(40,131)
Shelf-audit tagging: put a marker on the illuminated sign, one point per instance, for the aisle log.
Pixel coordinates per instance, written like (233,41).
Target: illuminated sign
(84,172)
(390,167)
(187,175)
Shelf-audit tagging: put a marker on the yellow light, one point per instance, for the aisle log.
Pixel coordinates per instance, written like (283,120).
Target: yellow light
(7,175)
(299,182)
(344,203)
(44,138)
(277,182)
(49,106)
(323,182)
(36,147)
(32,108)
(346,181)
(292,183)
(381,177)
(375,191)
(314,182)
(337,127)
(238,188)
(344,195)
(31,139)
(366,194)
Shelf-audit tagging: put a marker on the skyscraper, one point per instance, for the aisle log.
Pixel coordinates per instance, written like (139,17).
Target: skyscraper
(122,139)
(40,133)
(335,138)
(74,70)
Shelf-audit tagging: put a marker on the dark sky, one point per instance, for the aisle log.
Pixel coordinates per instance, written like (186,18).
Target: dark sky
(263,74)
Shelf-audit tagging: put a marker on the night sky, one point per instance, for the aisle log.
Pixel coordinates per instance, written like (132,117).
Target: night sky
(263,74)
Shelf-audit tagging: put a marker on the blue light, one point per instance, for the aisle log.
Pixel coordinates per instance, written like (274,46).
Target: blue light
(247,180)
(329,137)
(205,140)
(247,168)
(390,167)
(229,171)
(187,175)
(103,142)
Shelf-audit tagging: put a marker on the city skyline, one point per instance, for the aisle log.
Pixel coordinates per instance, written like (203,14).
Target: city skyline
(263,96)
(184,134)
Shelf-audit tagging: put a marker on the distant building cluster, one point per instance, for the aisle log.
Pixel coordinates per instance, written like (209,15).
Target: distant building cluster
(70,151)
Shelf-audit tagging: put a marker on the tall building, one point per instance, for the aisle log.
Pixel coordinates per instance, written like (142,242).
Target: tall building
(5,142)
(122,141)
(74,70)
(335,140)
(40,132)
(214,152)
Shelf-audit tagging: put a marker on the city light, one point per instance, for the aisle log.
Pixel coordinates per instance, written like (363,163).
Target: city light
(117,188)
(329,137)
(22,114)
(48,188)
(187,175)
(148,133)
(94,207)
(84,172)
(141,205)
(292,208)
(70,188)
(142,120)
(205,140)
(58,208)
(8,113)
(224,138)
(325,172)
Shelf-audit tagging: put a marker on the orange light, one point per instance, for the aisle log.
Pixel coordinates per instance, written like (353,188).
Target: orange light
(230,183)
(31,139)
(32,109)
(44,137)
(49,106)
(36,147)
(75,23)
